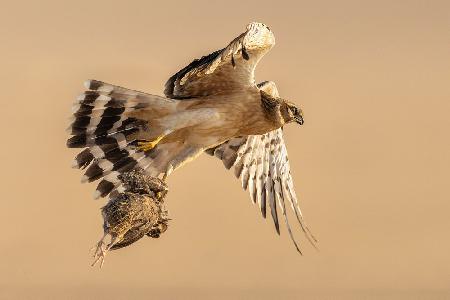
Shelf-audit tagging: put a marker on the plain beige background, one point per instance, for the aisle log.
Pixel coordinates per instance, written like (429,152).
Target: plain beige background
(371,163)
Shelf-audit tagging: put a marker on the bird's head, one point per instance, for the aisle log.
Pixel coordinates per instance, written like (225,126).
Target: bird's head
(288,110)
(293,113)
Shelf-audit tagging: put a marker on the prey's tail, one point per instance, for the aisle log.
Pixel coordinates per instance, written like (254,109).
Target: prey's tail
(109,121)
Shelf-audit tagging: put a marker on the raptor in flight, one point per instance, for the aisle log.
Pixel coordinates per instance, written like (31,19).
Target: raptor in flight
(213,105)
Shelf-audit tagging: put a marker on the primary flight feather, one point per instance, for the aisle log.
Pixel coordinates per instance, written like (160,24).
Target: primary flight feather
(212,105)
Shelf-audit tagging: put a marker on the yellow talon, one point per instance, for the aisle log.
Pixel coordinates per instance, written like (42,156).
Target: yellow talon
(146,146)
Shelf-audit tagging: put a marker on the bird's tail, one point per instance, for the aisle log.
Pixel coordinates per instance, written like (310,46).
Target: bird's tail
(108,121)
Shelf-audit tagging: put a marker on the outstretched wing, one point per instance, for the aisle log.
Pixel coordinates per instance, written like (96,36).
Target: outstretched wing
(262,165)
(224,70)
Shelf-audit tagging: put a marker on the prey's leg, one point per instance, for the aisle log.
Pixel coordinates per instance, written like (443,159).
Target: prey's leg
(100,251)
(102,248)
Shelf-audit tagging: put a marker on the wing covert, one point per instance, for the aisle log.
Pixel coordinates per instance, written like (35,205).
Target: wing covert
(223,70)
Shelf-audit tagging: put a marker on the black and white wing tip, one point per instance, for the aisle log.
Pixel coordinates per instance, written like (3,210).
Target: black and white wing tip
(261,164)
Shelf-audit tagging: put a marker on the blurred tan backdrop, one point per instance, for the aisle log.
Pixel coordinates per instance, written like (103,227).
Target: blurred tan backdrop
(371,163)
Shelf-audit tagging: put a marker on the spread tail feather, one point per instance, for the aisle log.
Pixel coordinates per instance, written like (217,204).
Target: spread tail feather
(103,124)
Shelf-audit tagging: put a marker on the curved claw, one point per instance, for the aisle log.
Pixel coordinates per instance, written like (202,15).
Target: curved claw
(149,145)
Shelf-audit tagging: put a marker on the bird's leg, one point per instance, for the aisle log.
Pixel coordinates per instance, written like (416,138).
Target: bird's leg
(149,145)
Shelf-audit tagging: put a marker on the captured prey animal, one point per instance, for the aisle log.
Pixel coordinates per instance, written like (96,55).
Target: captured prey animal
(131,215)
(213,105)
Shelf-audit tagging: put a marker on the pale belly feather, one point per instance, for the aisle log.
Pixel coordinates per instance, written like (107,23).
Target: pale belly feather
(210,121)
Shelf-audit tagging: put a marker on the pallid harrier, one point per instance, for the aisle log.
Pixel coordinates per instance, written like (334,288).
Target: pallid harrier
(213,105)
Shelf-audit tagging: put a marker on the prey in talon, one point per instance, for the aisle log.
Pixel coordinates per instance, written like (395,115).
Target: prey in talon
(131,215)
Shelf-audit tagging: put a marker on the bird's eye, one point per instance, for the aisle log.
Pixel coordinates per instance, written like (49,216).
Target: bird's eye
(294,110)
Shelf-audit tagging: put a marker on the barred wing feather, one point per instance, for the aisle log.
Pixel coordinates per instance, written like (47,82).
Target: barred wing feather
(262,165)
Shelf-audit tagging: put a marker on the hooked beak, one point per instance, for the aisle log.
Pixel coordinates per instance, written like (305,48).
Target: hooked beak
(299,120)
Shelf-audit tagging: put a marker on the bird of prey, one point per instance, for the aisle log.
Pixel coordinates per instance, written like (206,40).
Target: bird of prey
(213,105)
